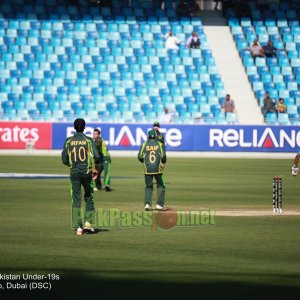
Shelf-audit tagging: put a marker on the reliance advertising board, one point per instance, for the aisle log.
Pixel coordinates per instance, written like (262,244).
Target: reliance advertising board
(122,136)
(15,135)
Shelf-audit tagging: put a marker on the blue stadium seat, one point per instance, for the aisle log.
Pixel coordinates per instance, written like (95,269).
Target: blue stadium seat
(286,70)
(58,57)
(274,70)
(283,119)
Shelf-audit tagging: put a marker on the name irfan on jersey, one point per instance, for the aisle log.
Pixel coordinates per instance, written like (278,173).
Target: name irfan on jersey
(78,143)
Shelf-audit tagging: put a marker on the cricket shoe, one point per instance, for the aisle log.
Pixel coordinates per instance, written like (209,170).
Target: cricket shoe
(159,207)
(79,231)
(147,207)
(107,188)
(88,227)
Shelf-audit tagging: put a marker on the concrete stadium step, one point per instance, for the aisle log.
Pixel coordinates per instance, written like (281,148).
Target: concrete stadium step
(233,74)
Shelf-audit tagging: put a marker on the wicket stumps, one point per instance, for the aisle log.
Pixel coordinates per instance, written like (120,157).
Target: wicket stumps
(277,194)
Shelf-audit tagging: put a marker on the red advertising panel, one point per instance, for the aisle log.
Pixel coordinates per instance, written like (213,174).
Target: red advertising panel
(18,135)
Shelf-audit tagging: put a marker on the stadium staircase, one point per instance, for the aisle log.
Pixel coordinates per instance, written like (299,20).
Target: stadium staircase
(233,74)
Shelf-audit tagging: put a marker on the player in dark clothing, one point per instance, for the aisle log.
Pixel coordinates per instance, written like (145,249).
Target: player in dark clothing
(76,154)
(152,154)
(159,136)
(105,162)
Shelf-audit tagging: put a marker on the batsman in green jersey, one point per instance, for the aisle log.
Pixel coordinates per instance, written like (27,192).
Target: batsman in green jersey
(76,154)
(105,162)
(153,155)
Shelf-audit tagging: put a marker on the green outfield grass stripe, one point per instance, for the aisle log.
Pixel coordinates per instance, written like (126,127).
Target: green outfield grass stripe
(237,258)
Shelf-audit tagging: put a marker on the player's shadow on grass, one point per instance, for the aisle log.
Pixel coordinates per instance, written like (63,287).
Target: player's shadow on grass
(96,230)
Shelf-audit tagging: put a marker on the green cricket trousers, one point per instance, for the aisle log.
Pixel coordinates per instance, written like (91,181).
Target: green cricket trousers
(103,166)
(161,189)
(79,178)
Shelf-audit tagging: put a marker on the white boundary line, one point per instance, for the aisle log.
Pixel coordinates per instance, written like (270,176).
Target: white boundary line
(185,154)
(33,175)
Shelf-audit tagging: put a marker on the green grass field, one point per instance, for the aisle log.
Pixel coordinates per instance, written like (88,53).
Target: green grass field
(237,258)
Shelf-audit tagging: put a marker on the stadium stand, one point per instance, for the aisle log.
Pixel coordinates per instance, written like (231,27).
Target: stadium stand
(278,75)
(108,64)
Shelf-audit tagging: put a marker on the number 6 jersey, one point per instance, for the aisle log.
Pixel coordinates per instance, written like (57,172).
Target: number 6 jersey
(153,155)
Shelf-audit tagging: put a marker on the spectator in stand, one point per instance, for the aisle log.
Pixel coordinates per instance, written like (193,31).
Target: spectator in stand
(217,3)
(226,4)
(256,50)
(193,42)
(268,106)
(171,41)
(158,4)
(167,117)
(243,9)
(183,9)
(194,8)
(281,107)
(269,50)
(228,104)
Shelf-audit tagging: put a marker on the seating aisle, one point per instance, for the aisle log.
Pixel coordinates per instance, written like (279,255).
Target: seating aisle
(233,74)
